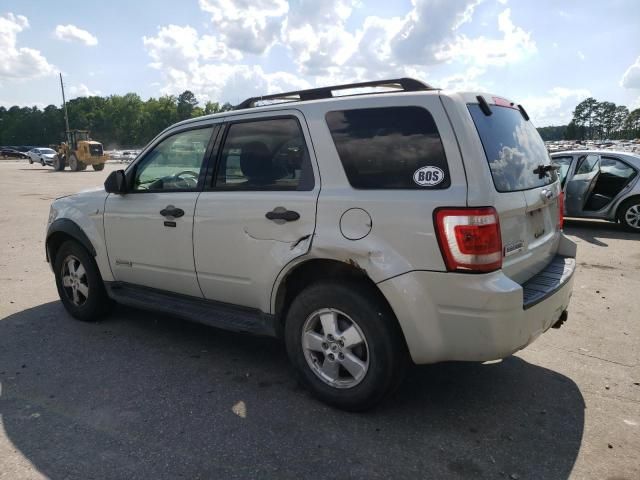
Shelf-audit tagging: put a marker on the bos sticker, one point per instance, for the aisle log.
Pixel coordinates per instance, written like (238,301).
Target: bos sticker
(428,176)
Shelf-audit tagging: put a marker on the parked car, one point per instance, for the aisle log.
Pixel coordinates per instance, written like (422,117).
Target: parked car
(11,153)
(44,156)
(601,184)
(363,230)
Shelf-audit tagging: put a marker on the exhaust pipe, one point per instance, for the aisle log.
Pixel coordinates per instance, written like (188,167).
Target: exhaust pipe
(563,318)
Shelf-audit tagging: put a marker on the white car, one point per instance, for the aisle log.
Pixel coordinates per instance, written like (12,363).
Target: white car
(364,230)
(43,156)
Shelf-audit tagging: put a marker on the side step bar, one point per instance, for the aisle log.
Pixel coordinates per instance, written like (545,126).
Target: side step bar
(209,312)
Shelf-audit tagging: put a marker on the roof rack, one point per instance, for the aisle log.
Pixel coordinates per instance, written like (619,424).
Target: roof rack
(399,84)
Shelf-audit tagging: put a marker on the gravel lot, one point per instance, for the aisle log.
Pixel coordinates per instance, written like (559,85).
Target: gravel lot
(147,396)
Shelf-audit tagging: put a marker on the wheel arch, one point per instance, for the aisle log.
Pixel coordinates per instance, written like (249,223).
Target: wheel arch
(64,229)
(307,272)
(623,202)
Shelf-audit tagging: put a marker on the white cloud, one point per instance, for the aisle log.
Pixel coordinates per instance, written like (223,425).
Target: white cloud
(250,26)
(555,107)
(631,78)
(515,45)
(581,55)
(71,33)
(326,47)
(81,90)
(19,62)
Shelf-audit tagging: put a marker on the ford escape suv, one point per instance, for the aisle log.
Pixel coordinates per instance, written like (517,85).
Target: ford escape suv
(365,224)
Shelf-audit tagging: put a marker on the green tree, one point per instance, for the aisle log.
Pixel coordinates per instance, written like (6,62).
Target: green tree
(187,102)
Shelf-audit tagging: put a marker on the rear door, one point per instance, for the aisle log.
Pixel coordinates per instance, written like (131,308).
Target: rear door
(581,184)
(259,213)
(526,190)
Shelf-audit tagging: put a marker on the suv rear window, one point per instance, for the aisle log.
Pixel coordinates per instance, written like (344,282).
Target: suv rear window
(386,148)
(513,147)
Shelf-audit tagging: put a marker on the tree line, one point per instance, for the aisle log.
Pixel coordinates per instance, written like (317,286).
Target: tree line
(118,121)
(594,120)
(126,121)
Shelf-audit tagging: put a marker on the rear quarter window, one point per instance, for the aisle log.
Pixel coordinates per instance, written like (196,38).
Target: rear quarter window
(389,148)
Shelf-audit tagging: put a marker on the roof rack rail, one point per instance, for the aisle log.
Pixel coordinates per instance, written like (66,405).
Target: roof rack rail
(400,84)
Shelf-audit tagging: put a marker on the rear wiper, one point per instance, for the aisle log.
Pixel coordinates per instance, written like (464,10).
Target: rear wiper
(541,170)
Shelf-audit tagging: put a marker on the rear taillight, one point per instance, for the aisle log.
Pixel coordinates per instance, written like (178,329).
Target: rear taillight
(561,211)
(469,239)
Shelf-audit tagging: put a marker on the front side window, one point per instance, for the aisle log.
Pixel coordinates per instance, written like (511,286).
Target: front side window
(268,154)
(175,163)
(389,148)
(615,168)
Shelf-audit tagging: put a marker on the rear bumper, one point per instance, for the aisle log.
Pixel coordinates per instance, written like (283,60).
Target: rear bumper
(471,317)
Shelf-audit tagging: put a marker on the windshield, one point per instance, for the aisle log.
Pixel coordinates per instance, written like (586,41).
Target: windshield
(46,150)
(513,147)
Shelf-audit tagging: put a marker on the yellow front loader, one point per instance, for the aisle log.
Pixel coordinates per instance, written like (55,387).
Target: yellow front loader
(79,151)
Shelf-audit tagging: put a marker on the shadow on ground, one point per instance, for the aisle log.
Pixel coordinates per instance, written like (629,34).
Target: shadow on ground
(146,396)
(597,232)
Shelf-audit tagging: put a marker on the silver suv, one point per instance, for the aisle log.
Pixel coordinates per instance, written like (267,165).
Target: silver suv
(366,225)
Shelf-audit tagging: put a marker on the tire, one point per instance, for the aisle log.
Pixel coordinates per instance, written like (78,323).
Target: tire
(98,167)
(629,214)
(381,354)
(59,163)
(79,283)
(74,164)
(30,161)
(42,163)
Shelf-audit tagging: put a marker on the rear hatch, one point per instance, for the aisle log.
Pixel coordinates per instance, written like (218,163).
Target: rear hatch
(527,194)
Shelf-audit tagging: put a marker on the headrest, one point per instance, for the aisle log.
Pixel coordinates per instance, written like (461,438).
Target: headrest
(256,163)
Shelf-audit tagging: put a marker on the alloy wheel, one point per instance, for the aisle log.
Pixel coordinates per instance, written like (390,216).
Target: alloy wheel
(335,348)
(632,216)
(75,281)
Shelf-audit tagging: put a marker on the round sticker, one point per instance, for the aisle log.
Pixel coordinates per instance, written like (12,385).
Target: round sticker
(428,176)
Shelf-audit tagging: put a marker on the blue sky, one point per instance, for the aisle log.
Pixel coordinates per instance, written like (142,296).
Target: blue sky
(547,54)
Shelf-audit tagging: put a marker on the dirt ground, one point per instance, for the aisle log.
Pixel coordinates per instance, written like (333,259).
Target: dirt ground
(146,396)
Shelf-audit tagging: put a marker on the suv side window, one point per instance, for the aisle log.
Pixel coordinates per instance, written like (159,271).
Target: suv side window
(385,148)
(587,164)
(268,154)
(174,163)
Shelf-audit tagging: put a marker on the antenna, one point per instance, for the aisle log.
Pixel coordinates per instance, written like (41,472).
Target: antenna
(66,115)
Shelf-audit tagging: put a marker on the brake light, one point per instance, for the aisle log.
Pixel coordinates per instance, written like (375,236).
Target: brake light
(561,211)
(469,239)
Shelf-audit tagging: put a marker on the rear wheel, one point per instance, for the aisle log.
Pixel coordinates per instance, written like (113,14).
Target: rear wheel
(79,283)
(58,163)
(98,167)
(629,214)
(345,344)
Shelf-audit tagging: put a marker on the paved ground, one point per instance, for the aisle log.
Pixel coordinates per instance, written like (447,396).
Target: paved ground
(146,396)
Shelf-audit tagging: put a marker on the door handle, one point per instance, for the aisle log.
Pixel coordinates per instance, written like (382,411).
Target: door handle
(171,211)
(280,214)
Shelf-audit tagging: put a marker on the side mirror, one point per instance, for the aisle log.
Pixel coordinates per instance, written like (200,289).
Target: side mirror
(116,182)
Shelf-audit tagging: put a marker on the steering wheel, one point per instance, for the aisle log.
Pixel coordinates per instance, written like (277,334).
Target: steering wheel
(192,178)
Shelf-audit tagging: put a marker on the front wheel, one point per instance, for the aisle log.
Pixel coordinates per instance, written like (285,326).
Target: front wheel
(629,214)
(345,344)
(30,161)
(42,163)
(79,283)
(74,164)
(58,163)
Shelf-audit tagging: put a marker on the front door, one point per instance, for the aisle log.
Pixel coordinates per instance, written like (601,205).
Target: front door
(259,212)
(581,184)
(149,230)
